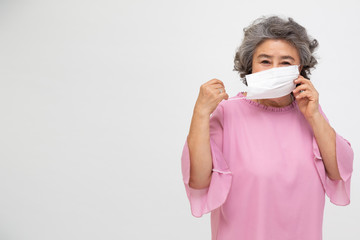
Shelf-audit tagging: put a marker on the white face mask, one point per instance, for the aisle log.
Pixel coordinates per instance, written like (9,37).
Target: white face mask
(272,83)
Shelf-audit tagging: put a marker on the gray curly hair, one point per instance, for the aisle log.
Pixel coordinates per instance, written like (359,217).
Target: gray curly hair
(274,27)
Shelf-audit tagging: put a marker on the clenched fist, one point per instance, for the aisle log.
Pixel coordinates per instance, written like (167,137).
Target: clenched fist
(210,95)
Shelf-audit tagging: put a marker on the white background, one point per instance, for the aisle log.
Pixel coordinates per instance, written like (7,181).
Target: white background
(96,99)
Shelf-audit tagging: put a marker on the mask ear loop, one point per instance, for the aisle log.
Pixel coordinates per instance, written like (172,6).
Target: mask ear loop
(292,94)
(244,83)
(299,68)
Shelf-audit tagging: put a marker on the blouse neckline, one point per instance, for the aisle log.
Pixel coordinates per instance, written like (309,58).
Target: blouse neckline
(289,107)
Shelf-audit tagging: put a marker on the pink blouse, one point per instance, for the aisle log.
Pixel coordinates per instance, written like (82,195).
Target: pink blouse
(268,178)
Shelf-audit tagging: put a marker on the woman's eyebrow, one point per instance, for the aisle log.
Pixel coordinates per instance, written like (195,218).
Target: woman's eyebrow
(288,57)
(263,55)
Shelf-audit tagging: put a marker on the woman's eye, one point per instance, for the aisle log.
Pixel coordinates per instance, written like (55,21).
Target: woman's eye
(265,61)
(286,63)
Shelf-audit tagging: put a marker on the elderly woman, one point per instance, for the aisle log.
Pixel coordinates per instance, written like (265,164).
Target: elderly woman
(262,164)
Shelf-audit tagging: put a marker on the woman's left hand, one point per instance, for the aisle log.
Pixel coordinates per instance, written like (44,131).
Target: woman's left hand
(308,98)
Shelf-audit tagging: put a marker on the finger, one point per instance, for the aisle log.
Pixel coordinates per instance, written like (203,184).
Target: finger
(215,80)
(302,80)
(220,90)
(212,87)
(300,88)
(217,85)
(305,94)
(224,95)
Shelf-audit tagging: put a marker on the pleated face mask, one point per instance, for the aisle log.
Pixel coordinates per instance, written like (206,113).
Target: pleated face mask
(272,83)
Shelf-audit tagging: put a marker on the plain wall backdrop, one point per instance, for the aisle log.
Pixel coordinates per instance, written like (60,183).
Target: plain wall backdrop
(96,100)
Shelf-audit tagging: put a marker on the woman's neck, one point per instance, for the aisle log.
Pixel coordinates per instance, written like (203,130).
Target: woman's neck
(276,102)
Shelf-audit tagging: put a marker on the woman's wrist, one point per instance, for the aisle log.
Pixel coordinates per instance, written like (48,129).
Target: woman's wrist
(201,113)
(315,118)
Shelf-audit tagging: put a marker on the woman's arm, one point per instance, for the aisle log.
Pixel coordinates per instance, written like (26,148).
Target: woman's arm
(333,155)
(326,139)
(308,100)
(199,150)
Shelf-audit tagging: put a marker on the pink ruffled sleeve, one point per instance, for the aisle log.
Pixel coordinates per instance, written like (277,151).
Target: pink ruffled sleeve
(205,200)
(338,191)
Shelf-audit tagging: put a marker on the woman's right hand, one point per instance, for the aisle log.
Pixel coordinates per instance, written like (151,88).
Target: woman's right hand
(210,96)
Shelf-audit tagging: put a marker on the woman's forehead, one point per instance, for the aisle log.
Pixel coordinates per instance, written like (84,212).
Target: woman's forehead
(276,48)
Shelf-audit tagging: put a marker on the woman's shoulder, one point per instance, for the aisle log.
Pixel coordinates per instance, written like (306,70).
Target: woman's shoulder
(233,102)
(232,106)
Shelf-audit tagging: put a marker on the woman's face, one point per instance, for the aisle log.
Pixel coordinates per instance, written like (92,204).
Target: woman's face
(274,53)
